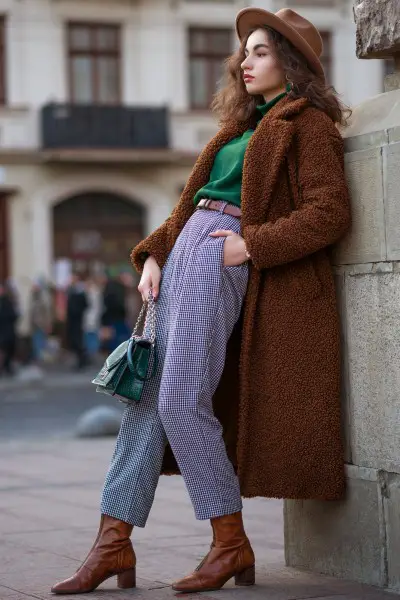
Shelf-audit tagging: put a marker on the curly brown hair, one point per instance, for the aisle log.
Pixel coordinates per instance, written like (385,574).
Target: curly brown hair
(234,103)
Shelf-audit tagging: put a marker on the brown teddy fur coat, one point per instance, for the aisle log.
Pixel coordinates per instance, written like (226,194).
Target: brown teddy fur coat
(281,409)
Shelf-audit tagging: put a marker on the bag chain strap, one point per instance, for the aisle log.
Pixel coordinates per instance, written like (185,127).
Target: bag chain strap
(148,309)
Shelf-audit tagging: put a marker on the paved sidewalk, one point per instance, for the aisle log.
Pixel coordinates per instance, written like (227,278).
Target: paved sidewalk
(49,492)
(47,377)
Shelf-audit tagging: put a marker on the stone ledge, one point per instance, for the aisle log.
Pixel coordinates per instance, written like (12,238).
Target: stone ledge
(375,139)
(364,155)
(364,473)
(368,268)
(391,184)
(394,134)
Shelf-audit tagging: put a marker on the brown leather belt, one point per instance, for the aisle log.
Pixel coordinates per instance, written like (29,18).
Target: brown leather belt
(229,209)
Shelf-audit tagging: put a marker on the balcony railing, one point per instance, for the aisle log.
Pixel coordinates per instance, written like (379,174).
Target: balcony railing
(96,126)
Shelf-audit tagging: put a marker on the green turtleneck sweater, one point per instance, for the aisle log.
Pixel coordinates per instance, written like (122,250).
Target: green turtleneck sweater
(225,181)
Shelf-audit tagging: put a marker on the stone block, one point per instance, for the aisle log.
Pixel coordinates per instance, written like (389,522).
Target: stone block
(374,139)
(394,135)
(366,240)
(392,517)
(391,178)
(378,28)
(373,345)
(392,82)
(342,538)
(340,294)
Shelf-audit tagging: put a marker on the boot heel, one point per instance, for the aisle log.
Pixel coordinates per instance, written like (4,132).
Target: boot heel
(246,577)
(127,579)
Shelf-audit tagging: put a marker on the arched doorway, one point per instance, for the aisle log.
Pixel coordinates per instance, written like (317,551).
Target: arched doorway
(96,231)
(93,234)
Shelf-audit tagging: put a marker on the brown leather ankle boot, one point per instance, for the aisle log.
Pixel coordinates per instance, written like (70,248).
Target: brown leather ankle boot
(111,554)
(230,556)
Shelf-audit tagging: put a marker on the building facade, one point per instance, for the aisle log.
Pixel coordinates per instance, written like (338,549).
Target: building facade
(103,110)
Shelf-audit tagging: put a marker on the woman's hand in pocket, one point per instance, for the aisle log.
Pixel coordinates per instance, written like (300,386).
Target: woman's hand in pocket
(150,279)
(234,247)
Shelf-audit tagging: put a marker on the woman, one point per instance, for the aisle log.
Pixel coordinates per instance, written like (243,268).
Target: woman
(275,174)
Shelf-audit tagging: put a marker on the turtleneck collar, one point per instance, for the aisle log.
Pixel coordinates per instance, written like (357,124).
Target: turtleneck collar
(264,108)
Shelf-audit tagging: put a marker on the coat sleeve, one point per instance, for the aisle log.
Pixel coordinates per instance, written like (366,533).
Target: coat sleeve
(160,243)
(155,244)
(324,215)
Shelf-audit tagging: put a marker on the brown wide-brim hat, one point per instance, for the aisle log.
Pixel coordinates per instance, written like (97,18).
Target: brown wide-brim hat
(300,32)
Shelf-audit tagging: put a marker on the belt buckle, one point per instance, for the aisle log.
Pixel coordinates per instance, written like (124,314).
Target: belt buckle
(207,202)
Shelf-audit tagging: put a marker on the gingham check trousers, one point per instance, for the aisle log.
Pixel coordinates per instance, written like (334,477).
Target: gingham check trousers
(199,303)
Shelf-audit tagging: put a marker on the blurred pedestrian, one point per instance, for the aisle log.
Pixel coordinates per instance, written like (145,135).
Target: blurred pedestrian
(8,337)
(133,301)
(12,289)
(92,317)
(41,317)
(77,304)
(114,318)
(247,389)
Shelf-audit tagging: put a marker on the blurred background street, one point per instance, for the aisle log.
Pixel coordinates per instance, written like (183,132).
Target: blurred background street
(46,410)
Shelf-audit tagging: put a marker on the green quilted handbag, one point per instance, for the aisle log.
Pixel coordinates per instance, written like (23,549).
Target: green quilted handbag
(126,369)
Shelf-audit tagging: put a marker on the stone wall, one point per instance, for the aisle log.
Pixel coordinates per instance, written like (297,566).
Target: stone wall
(359,537)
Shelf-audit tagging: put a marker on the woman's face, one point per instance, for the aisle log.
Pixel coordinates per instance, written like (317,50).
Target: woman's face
(262,73)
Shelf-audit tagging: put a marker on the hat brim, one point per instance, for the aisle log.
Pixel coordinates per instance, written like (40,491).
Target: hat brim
(251,18)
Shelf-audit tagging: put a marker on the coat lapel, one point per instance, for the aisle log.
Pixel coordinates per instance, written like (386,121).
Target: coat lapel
(265,154)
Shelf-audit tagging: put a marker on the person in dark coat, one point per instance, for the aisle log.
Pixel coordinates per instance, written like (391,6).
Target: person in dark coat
(8,321)
(114,316)
(77,303)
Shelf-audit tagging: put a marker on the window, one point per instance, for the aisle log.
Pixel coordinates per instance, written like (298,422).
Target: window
(3,95)
(326,57)
(208,48)
(94,63)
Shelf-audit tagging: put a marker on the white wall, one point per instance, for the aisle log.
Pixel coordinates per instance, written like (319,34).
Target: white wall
(154,54)
(154,43)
